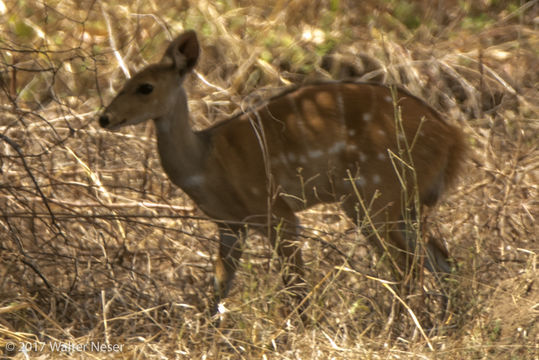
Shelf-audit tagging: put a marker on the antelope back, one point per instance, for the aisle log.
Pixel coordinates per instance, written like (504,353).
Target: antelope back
(323,141)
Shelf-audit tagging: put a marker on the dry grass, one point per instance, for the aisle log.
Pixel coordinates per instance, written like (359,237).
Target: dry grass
(97,245)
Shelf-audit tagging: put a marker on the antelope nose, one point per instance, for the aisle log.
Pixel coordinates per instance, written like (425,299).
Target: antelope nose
(104,121)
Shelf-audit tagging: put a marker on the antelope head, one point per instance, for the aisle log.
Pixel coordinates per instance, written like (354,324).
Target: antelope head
(154,91)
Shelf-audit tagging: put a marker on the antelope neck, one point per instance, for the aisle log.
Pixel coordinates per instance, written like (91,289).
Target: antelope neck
(181,149)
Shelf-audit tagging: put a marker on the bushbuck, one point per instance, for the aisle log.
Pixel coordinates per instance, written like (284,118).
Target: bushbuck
(375,149)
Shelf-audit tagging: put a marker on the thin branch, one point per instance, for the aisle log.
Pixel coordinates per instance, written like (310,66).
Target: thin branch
(17,148)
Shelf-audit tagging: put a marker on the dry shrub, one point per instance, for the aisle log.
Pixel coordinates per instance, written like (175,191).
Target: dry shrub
(97,245)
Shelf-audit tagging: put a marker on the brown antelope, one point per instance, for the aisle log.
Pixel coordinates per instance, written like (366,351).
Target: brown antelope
(327,142)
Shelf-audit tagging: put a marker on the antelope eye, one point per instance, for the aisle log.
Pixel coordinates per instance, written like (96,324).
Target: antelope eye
(145,89)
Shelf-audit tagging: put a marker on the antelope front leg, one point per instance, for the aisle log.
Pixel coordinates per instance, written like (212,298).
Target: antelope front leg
(230,250)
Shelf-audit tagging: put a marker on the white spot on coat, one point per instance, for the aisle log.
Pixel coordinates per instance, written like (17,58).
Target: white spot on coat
(194,180)
(361,182)
(282,158)
(351,147)
(381,156)
(337,147)
(340,106)
(376,179)
(362,156)
(291,156)
(315,153)
(367,117)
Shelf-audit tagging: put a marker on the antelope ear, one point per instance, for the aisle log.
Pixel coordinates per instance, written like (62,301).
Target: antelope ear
(183,52)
